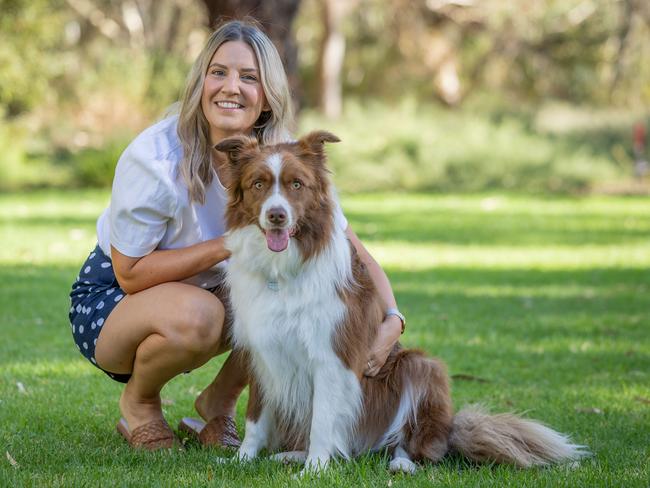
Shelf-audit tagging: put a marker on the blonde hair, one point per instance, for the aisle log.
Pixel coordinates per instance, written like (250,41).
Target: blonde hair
(271,127)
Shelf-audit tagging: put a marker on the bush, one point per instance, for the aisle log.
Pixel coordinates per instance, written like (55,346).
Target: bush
(413,147)
(96,166)
(19,169)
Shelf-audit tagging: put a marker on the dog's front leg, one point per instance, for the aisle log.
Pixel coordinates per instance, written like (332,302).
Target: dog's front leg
(260,423)
(336,404)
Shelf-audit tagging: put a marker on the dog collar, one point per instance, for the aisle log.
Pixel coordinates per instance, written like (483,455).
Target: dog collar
(272,285)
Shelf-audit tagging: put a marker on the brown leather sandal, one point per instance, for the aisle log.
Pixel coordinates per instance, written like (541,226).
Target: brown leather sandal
(154,435)
(219,431)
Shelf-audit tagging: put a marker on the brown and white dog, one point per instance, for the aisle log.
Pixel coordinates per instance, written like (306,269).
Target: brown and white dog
(306,312)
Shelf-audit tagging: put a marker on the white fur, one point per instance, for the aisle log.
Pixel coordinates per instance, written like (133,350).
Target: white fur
(289,331)
(276,199)
(401,462)
(257,436)
(406,413)
(290,457)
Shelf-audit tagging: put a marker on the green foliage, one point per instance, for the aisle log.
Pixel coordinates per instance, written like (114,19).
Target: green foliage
(422,147)
(31,32)
(96,167)
(544,298)
(20,170)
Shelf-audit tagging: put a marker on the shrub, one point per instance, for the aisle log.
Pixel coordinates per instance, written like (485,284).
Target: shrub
(413,147)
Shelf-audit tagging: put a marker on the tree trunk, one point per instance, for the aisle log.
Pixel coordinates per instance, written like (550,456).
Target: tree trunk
(331,56)
(276,18)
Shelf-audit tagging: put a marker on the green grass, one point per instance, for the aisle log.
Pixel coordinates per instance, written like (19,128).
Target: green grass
(546,299)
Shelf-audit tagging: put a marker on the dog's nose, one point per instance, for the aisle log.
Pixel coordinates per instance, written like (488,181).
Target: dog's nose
(277,215)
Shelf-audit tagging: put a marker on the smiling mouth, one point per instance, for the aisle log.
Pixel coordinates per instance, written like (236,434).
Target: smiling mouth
(229,105)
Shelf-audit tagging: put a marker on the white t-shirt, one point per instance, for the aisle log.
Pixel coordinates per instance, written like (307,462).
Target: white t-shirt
(150,206)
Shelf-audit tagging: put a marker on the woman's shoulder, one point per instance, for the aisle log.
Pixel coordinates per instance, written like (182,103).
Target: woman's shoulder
(159,142)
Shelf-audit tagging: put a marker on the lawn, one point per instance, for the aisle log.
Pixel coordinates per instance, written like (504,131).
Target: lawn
(537,304)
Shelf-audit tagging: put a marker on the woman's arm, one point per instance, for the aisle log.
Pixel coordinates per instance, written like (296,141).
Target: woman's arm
(161,266)
(391,327)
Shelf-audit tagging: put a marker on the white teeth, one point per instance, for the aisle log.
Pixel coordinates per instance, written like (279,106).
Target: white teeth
(228,105)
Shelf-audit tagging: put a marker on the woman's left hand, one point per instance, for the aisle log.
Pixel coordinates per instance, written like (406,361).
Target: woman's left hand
(387,335)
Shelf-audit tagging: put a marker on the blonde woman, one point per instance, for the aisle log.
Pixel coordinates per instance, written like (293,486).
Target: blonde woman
(147,304)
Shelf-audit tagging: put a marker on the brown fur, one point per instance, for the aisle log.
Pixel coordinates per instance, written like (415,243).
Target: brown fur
(303,161)
(434,430)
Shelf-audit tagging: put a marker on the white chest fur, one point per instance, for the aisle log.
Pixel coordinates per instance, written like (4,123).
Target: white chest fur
(286,313)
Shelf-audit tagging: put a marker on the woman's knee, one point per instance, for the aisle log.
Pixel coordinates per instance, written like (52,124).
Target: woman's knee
(200,324)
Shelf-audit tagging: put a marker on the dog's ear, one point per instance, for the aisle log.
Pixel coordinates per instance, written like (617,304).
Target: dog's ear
(311,148)
(234,146)
(314,140)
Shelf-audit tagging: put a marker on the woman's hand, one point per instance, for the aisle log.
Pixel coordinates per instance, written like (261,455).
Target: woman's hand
(387,335)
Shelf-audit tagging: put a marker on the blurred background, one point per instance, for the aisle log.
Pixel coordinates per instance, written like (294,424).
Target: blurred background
(428,95)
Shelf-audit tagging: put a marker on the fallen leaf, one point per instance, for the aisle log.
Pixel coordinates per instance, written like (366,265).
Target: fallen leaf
(595,410)
(21,387)
(469,377)
(642,400)
(12,461)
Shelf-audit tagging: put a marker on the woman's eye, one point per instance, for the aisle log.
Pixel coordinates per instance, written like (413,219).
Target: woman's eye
(296,185)
(258,185)
(218,72)
(249,78)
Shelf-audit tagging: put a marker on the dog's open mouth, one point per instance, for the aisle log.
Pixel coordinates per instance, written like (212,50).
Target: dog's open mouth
(277,239)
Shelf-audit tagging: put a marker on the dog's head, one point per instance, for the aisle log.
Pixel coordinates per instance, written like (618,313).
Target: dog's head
(283,189)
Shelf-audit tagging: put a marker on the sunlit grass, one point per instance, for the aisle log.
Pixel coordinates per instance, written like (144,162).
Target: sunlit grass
(543,301)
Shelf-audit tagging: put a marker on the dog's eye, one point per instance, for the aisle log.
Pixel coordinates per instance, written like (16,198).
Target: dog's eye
(258,185)
(296,184)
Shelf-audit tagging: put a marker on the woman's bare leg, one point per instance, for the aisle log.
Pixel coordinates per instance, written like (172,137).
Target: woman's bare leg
(155,335)
(220,396)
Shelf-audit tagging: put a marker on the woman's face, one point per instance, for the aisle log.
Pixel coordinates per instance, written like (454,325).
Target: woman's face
(233,97)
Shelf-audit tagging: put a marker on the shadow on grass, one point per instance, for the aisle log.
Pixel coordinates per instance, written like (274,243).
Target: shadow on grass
(498,314)
(505,228)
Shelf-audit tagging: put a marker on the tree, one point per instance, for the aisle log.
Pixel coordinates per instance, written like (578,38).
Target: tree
(331,56)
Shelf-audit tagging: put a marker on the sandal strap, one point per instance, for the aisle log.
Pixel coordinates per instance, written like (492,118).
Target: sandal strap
(220,431)
(154,435)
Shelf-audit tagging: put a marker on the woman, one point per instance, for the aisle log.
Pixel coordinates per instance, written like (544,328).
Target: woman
(145,307)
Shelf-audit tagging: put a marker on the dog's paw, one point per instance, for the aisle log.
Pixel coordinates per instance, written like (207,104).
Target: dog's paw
(290,457)
(402,465)
(224,460)
(246,455)
(314,466)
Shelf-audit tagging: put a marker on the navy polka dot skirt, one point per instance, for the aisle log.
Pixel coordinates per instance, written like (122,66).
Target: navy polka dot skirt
(95,293)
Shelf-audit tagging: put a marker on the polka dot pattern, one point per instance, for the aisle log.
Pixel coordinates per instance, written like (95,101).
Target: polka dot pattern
(90,305)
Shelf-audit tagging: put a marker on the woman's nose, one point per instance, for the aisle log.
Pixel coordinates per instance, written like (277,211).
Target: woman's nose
(231,84)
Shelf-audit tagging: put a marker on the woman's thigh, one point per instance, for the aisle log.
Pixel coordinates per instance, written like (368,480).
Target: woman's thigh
(188,316)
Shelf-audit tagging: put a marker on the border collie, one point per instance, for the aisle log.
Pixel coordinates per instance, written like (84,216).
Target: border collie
(306,313)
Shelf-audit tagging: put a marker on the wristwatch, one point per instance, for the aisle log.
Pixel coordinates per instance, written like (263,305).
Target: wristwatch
(398,314)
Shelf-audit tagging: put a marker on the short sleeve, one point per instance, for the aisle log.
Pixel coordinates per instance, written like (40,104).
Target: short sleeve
(142,202)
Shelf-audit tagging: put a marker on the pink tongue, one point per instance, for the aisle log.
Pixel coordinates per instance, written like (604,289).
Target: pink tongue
(277,239)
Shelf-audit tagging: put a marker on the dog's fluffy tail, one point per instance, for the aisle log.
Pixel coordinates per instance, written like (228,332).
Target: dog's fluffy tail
(507,438)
